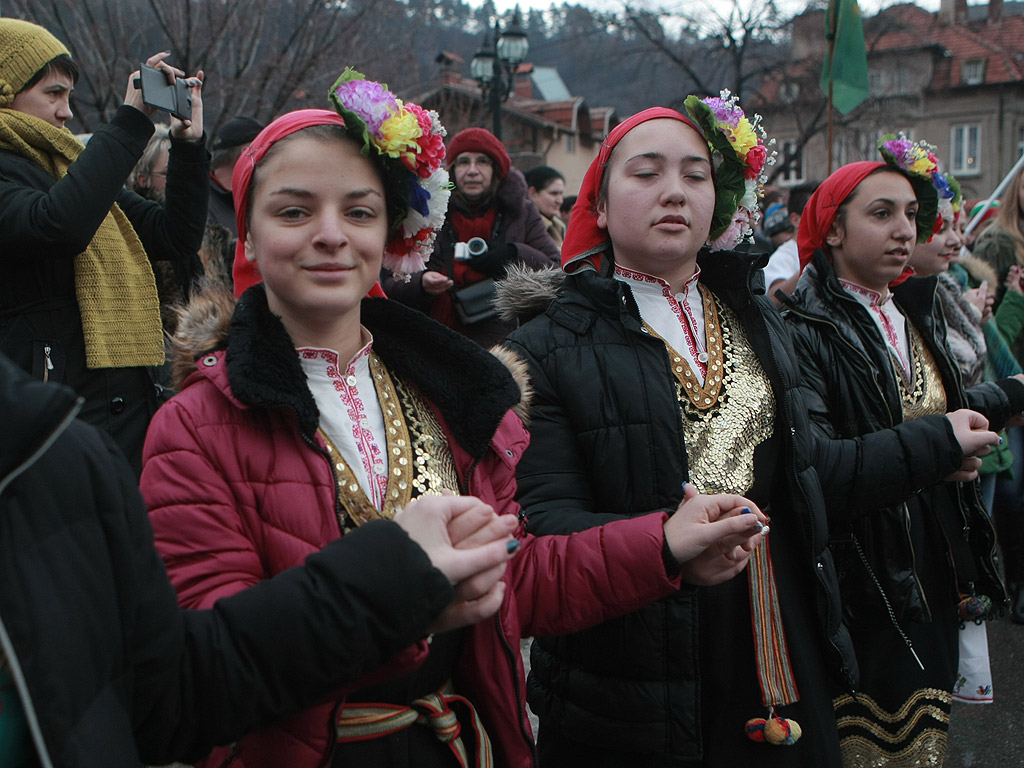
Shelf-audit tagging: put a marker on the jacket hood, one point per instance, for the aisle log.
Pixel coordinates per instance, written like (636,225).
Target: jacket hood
(979,270)
(525,293)
(263,372)
(33,412)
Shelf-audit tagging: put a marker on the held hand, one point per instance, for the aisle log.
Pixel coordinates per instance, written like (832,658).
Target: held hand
(133,96)
(434,283)
(475,567)
(191,130)
(712,536)
(977,298)
(975,439)
(1013,279)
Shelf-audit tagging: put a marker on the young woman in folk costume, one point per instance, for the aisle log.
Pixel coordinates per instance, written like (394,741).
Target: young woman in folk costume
(316,409)
(656,365)
(897,451)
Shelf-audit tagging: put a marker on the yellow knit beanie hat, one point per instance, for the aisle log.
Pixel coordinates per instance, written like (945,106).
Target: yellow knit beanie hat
(25,48)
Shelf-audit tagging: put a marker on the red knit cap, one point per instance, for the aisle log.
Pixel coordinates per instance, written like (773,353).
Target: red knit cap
(480,140)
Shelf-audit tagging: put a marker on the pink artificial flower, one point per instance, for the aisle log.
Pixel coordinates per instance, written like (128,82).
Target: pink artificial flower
(370,100)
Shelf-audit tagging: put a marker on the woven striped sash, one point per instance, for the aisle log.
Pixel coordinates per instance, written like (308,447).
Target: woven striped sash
(365,721)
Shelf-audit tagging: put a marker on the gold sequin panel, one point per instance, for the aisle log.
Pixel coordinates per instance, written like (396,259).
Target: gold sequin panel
(433,467)
(912,737)
(419,459)
(722,433)
(925,395)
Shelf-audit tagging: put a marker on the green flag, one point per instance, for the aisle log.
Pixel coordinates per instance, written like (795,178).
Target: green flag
(846,56)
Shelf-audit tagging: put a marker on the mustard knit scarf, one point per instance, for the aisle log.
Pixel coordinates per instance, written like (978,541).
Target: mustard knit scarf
(114,282)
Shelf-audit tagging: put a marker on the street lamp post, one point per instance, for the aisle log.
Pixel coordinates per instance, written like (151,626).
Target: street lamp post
(494,65)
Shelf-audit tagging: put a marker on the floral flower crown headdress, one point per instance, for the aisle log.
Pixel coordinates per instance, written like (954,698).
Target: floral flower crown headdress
(740,158)
(407,142)
(916,161)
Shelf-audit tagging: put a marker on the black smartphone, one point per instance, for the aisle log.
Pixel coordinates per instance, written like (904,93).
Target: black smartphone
(158,93)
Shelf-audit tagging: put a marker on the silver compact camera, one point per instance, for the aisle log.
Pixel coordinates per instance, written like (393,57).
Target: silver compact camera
(476,246)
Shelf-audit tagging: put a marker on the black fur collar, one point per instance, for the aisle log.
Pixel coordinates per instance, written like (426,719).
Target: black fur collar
(470,387)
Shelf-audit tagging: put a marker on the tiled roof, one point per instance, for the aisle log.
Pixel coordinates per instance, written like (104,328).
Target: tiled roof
(906,27)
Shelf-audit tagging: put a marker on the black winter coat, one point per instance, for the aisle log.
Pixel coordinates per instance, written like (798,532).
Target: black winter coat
(872,464)
(110,672)
(607,442)
(45,223)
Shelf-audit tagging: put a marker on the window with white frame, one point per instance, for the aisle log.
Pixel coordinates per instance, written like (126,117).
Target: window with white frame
(965,149)
(972,72)
(792,158)
(570,143)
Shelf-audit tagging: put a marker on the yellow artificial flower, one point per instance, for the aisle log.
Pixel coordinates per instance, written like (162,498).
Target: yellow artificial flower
(398,135)
(742,137)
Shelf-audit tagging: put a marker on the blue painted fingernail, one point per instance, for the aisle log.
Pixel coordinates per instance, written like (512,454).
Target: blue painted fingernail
(1000,441)
(758,526)
(684,485)
(512,546)
(746,511)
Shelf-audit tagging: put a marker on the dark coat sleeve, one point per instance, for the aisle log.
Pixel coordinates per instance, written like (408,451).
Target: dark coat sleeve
(555,485)
(997,400)
(174,231)
(203,678)
(879,469)
(62,220)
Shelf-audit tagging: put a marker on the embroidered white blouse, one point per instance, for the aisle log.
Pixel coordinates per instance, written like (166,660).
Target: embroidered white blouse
(887,317)
(350,414)
(678,318)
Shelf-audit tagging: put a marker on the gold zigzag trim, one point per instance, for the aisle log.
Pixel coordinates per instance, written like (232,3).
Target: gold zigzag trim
(928,749)
(884,735)
(868,703)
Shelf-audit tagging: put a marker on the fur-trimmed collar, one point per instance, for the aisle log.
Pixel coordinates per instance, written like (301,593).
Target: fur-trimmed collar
(525,293)
(472,388)
(979,270)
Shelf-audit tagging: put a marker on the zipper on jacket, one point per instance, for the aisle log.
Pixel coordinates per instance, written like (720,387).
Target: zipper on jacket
(888,606)
(520,696)
(47,362)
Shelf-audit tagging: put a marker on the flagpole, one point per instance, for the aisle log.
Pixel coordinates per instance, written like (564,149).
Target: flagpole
(833,13)
(995,193)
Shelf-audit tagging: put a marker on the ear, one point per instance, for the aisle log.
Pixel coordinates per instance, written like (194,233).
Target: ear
(602,214)
(250,251)
(836,235)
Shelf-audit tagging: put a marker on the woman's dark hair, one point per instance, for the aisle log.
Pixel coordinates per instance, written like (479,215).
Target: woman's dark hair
(63,65)
(540,177)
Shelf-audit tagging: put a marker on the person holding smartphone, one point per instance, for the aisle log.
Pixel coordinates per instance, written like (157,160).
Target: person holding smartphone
(78,300)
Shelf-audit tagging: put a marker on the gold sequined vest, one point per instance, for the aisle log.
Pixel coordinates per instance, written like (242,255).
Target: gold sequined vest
(420,460)
(732,413)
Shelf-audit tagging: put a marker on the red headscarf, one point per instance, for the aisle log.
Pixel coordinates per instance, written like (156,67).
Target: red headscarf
(584,240)
(820,211)
(245,272)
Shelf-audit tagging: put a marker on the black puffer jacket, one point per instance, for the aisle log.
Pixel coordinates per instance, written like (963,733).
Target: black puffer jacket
(607,442)
(46,223)
(110,672)
(873,465)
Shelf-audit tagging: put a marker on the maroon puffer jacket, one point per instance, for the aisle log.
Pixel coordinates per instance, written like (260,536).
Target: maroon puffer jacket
(239,488)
